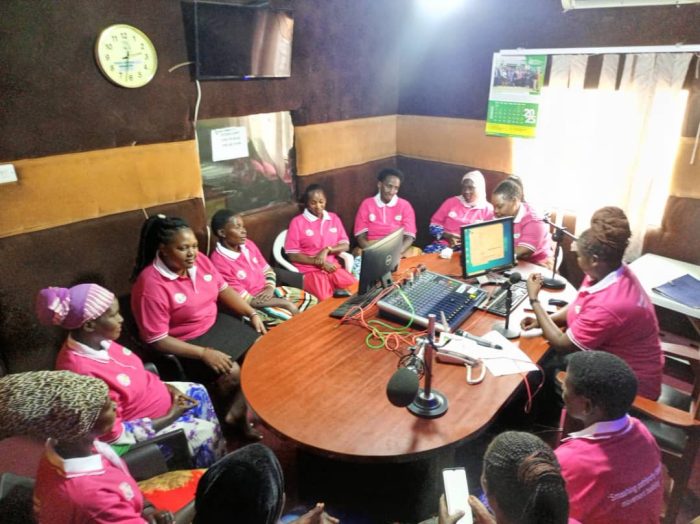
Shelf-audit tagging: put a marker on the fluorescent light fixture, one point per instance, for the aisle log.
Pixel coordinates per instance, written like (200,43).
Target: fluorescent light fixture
(595,4)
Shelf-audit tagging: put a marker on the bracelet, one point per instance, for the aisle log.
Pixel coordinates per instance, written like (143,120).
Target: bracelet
(254,314)
(534,301)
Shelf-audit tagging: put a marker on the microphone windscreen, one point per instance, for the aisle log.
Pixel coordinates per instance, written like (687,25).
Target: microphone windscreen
(402,387)
(515,277)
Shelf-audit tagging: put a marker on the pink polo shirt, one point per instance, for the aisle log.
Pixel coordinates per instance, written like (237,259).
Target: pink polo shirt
(456,212)
(613,473)
(616,315)
(308,234)
(137,393)
(244,271)
(529,231)
(378,219)
(96,489)
(165,303)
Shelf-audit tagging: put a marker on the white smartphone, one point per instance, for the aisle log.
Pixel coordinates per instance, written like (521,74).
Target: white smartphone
(457,493)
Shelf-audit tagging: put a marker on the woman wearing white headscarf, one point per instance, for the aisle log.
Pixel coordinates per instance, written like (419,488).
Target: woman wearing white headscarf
(467,208)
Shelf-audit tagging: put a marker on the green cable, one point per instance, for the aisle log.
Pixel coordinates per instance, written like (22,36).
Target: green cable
(375,333)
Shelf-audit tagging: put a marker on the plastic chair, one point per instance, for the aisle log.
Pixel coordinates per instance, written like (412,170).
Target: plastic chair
(674,421)
(281,259)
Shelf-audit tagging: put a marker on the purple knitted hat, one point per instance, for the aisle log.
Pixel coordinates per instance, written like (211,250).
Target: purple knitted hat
(70,308)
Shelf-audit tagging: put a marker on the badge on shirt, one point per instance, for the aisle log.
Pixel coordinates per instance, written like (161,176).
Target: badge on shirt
(207,278)
(126,351)
(372,217)
(577,308)
(124,379)
(516,235)
(452,214)
(126,490)
(255,260)
(309,232)
(398,218)
(333,230)
(241,274)
(180,298)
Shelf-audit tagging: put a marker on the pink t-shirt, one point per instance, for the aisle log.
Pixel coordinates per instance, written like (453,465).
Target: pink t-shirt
(529,231)
(307,235)
(378,219)
(96,489)
(137,393)
(244,271)
(613,473)
(616,315)
(165,303)
(456,212)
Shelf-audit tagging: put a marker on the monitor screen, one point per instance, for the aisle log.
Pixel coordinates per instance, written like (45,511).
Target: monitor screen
(242,41)
(487,246)
(379,260)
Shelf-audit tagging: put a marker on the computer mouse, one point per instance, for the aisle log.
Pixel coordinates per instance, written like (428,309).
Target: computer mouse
(341,293)
(557,302)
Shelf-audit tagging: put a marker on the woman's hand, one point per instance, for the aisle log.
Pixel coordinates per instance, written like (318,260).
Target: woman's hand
(180,398)
(217,360)
(444,517)
(316,516)
(328,267)
(534,284)
(320,258)
(266,294)
(479,512)
(257,324)
(162,517)
(529,323)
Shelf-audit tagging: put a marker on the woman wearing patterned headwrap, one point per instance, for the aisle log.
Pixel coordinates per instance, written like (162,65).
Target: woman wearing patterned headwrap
(145,406)
(523,484)
(80,479)
(469,207)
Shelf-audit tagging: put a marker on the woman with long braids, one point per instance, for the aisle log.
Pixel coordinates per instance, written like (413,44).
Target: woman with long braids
(612,312)
(174,302)
(523,484)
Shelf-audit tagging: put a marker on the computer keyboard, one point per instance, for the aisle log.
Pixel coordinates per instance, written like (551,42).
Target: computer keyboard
(436,294)
(356,301)
(497,304)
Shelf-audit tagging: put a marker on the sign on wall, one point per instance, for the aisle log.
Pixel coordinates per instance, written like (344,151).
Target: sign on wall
(516,84)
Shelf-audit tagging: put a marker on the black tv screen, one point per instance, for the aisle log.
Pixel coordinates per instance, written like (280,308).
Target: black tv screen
(236,40)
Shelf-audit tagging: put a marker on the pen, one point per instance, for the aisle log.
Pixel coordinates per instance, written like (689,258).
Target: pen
(478,340)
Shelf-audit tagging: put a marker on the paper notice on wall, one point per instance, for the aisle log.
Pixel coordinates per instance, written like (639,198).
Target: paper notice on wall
(516,84)
(228,143)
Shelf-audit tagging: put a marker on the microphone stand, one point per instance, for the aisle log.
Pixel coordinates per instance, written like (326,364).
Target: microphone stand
(502,327)
(429,402)
(559,231)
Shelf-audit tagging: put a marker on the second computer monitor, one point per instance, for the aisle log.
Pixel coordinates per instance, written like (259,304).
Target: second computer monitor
(487,246)
(379,260)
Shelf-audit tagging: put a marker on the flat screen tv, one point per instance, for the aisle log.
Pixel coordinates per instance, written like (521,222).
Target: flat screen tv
(239,40)
(487,246)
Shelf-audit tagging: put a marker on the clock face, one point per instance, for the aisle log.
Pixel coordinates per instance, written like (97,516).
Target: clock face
(126,56)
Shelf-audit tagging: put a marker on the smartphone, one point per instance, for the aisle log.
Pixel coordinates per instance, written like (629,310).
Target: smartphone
(457,493)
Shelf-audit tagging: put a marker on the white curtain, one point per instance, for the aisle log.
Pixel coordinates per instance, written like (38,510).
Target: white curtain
(599,147)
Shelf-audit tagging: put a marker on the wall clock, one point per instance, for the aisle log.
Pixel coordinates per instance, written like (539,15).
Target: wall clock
(126,56)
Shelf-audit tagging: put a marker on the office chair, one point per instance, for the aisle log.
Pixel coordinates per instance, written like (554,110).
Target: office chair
(674,421)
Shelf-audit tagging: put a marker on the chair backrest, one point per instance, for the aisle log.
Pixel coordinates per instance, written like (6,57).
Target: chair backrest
(278,252)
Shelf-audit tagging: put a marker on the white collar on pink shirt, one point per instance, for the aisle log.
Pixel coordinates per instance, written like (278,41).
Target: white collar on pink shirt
(465,203)
(167,273)
(603,430)
(520,214)
(87,351)
(380,203)
(230,253)
(83,466)
(308,215)
(605,282)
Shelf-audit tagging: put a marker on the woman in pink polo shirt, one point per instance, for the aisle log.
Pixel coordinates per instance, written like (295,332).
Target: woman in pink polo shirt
(612,312)
(469,207)
(245,269)
(314,238)
(174,301)
(145,405)
(531,235)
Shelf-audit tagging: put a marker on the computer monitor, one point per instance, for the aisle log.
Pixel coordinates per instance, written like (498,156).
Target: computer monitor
(379,260)
(487,246)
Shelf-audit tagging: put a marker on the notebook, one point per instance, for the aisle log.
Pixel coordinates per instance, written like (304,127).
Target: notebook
(684,290)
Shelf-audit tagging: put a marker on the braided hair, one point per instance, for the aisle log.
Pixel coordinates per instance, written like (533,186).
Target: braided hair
(608,236)
(219,220)
(524,479)
(156,230)
(510,189)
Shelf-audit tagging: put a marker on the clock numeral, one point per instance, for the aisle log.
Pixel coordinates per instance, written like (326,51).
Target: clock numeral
(123,35)
(143,46)
(145,56)
(131,78)
(107,57)
(139,74)
(111,68)
(108,46)
(114,38)
(145,67)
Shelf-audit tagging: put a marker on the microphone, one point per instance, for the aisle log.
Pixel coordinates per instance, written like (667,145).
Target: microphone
(558,235)
(514,278)
(502,327)
(404,383)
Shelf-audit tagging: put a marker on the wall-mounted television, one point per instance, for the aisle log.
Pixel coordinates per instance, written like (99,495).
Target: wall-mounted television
(242,39)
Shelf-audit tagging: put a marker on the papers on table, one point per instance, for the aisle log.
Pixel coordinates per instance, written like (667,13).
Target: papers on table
(684,290)
(507,361)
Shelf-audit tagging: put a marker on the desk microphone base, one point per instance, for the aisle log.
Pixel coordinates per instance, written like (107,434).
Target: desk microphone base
(553,283)
(432,406)
(509,332)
